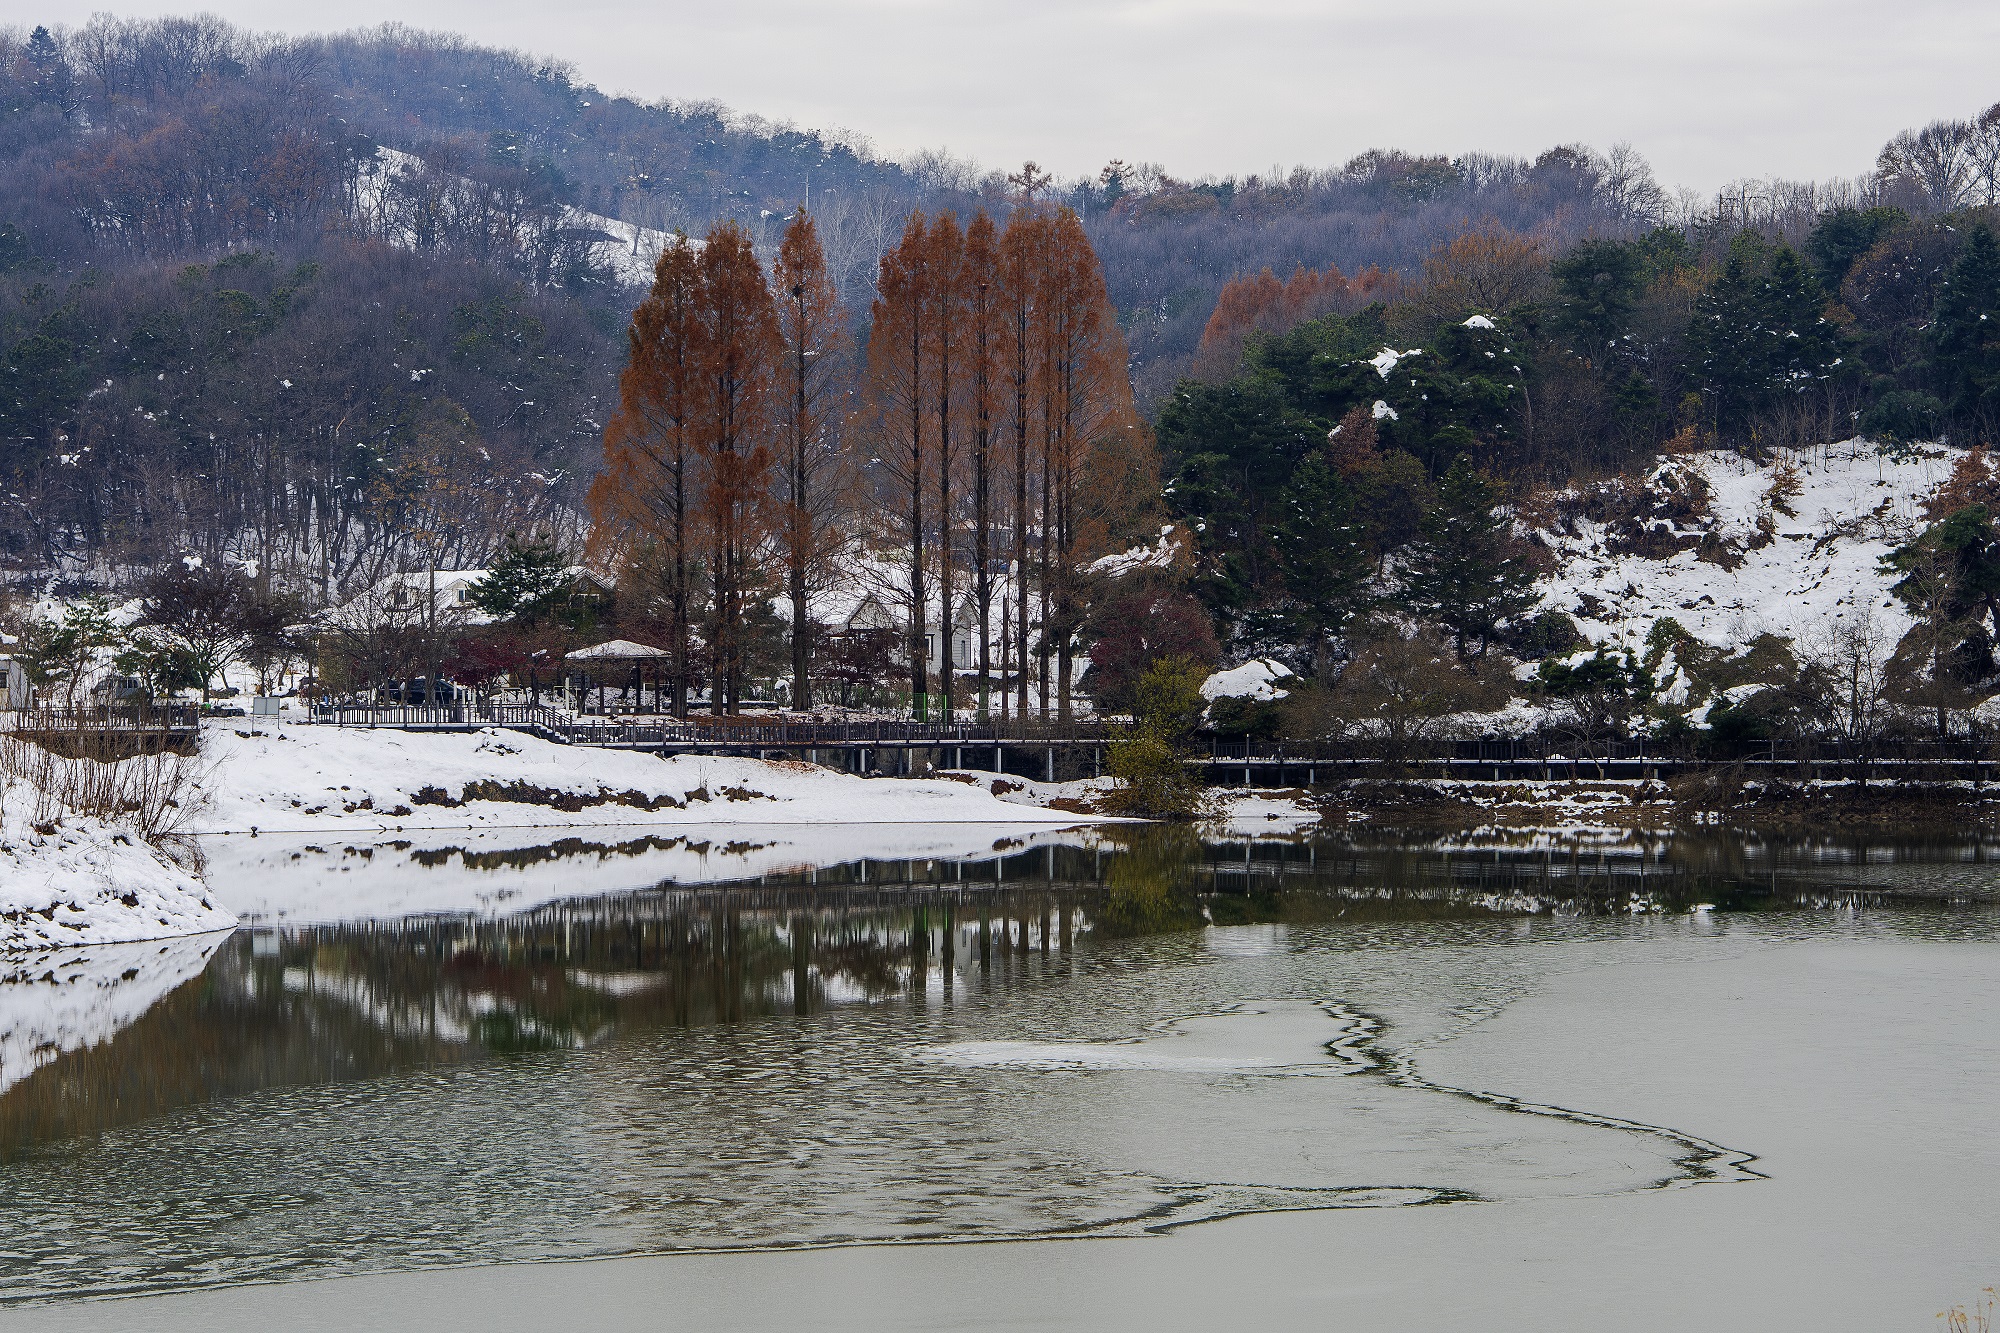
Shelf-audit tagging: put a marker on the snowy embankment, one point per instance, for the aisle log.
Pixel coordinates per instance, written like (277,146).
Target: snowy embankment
(1242,813)
(1705,540)
(330,779)
(70,880)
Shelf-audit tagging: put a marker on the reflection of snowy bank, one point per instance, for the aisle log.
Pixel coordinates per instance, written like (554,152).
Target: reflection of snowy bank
(69,880)
(358,780)
(1243,813)
(59,1000)
(301,878)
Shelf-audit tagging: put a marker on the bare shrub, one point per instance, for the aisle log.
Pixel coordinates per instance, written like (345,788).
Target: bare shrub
(153,795)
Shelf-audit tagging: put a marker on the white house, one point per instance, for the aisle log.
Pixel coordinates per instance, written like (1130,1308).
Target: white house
(875,612)
(15,691)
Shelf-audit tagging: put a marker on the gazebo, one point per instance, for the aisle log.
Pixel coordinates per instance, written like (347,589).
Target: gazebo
(599,661)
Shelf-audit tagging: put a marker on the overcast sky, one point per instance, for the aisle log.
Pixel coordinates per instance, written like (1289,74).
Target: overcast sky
(1709,90)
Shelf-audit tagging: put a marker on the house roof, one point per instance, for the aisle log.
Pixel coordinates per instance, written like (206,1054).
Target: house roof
(617,650)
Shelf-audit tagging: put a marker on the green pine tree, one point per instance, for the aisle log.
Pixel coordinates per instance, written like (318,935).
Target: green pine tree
(1462,572)
(1598,285)
(1722,336)
(1965,328)
(525,581)
(1843,235)
(1801,347)
(1323,553)
(1759,333)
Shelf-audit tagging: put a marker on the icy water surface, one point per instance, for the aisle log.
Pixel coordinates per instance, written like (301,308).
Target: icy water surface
(1093,1035)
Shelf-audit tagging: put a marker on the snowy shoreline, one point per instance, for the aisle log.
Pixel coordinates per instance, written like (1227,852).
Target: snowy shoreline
(314,779)
(71,880)
(79,881)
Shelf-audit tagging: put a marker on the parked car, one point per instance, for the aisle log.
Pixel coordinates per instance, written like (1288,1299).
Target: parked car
(121,692)
(417,693)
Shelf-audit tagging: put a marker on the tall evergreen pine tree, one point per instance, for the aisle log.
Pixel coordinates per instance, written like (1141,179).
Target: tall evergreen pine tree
(1460,571)
(1323,552)
(1965,329)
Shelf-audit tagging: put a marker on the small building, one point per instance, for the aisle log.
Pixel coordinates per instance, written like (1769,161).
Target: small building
(16,691)
(875,612)
(449,593)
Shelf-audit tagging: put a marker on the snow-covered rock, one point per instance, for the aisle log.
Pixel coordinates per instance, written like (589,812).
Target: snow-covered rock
(1255,679)
(69,880)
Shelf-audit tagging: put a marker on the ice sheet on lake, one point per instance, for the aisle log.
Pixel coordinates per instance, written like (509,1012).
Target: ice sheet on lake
(1005,1114)
(1280,1037)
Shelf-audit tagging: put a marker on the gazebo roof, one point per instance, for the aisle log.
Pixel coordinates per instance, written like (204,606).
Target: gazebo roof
(617,650)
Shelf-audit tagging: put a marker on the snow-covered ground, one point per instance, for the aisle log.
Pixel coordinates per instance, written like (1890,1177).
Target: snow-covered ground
(69,880)
(1798,575)
(331,779)
(1080,793)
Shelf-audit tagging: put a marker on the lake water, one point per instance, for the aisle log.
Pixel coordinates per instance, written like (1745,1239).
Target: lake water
(1137,1042)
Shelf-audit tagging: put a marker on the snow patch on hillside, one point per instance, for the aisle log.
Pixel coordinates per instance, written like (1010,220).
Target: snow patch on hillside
(1745,566)
(629,250)
(1160,555)
(1255,679)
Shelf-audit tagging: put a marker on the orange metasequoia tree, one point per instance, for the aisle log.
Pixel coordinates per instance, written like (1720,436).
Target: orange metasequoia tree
(984,338)
(1087,406)
(813,325)
(900,390)
(985,344)
(1022,253)
(946,293)
(643,504)
(744,345)
(1262,304)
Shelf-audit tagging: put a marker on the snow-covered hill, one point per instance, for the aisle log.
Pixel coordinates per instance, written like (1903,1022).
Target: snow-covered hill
(630,250)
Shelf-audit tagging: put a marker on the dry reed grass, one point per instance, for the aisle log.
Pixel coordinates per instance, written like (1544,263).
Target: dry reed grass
(153,795)
(1977,1319)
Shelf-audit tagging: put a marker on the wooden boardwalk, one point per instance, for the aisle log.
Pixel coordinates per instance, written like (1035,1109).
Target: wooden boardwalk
(1051,751)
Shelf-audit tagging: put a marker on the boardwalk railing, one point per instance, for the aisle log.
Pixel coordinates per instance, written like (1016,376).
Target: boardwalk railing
(725,732)
(107,732)
(1042,748)
(103,718)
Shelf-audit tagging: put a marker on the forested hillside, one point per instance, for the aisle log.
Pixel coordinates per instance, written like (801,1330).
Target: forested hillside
(327,308)
(231,327)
